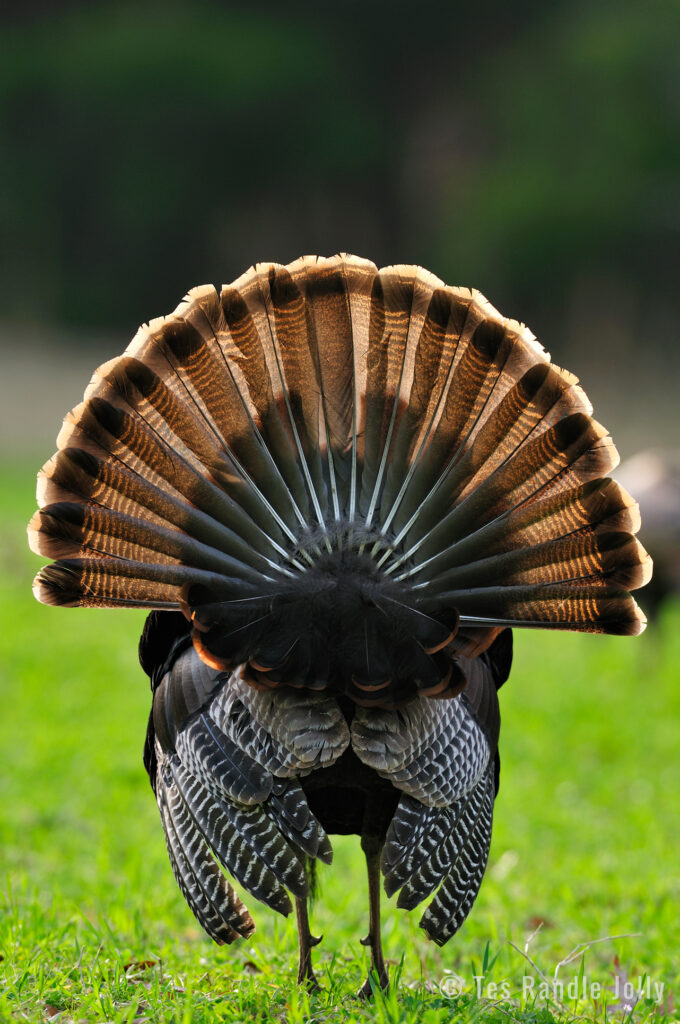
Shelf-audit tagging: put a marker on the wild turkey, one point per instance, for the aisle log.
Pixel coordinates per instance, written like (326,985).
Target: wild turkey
(336,488)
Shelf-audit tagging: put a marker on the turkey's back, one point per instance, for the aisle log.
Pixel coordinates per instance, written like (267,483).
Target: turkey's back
(258,780)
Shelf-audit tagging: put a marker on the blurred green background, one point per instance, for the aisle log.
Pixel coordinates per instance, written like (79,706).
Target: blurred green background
(530,150)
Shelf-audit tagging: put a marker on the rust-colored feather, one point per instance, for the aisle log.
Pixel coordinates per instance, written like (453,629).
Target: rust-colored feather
(316,455)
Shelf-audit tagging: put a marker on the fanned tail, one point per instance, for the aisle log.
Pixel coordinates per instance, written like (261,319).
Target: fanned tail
(345,478)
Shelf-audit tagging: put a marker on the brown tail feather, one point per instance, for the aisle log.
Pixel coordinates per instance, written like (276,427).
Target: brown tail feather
(368,436)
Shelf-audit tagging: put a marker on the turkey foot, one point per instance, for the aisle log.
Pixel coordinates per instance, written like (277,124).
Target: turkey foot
(371,847)
(306,941)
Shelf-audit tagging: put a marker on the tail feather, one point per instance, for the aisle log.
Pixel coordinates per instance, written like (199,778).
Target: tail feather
(197,365)
(591,507)
(591,608)
(369,449)
(297,370)
(193,435)
(70,529)
(329,325)
(612,557)
(247,360)
(122,439)
(358,276)
(472,378)
(441,329)
(112,581)
(77,476)
(401,301)
(518,479)
(283,411)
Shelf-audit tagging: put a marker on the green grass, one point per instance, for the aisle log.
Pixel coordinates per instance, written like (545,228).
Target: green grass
(586,836)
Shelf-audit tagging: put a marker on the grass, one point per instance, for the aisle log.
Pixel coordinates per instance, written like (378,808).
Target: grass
(92,926)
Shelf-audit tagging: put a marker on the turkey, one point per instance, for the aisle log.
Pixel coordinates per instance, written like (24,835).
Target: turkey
(336,489)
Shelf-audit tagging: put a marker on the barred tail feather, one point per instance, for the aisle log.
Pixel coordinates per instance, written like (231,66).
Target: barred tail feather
(373,439)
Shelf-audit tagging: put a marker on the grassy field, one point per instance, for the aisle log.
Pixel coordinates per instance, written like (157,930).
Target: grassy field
(92,926)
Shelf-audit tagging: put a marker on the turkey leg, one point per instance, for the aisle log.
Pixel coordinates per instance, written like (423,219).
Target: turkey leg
(305,942)
(372,846)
